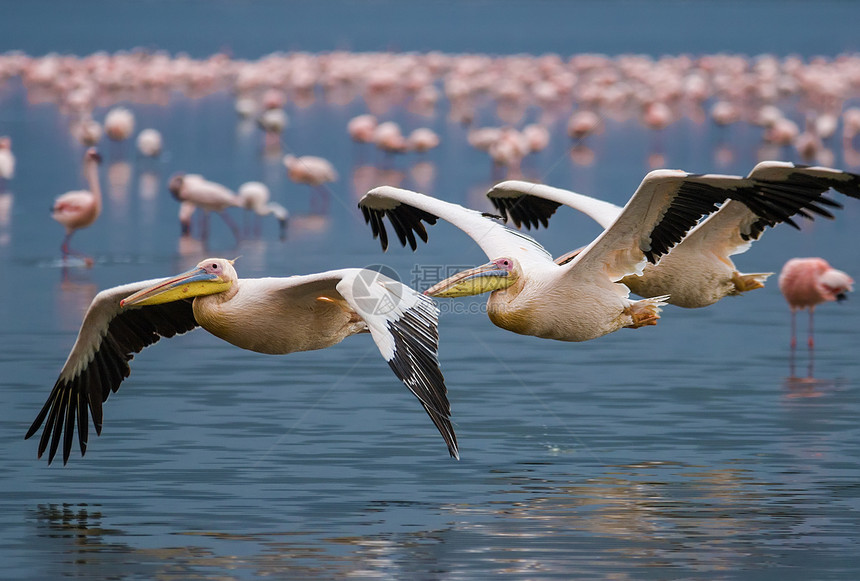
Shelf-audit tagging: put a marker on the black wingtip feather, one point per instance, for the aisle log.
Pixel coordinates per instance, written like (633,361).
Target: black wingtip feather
(73,399)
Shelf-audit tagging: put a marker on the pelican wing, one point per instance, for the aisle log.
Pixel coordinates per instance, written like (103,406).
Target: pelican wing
(108,339)
(667,204)
(403,324)
(531,205)
(408,211)
(796,188)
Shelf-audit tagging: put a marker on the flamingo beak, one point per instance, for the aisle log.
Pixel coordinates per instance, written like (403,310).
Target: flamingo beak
(193,283)
(482,279)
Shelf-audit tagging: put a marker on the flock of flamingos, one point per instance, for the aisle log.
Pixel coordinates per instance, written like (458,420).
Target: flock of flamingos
(671,243)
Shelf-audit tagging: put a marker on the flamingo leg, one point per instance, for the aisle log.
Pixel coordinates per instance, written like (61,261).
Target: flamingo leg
(810,340)
(67,251)
(231,224)
(793,329)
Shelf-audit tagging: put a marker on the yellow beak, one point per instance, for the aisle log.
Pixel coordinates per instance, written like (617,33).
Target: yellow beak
(193,283)
(486,278)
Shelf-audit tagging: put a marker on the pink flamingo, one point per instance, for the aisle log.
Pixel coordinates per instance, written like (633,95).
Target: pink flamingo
(361,128)
(7,162)
(80,208)
(313,171)
(208,196)
(806,282)
(119,124)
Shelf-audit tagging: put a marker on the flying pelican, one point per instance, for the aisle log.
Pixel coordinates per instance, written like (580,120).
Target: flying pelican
(582,299)
(266,315)
(698,271)
(255,198)
(80,208)
(207,195)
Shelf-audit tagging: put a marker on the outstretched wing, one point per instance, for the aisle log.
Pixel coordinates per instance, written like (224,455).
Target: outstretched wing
(403,324)
(408,211)
(796,188)
(108,339)
(665,206)
(531,205)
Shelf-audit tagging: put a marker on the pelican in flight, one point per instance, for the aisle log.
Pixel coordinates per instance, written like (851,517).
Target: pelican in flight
(583,298)
(266,315)
(698,271)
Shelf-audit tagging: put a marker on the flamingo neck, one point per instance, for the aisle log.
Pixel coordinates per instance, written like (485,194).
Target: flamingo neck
(92,175)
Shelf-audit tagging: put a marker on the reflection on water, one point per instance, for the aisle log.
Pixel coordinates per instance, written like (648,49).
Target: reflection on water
(648,515)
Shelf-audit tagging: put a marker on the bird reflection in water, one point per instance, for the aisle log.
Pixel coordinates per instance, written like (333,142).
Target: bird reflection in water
(649,513)
(74,295)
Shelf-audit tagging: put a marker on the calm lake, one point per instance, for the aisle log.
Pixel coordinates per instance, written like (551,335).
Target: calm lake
(694,449)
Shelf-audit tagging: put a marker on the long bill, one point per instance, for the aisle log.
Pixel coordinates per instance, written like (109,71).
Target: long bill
(482,279)
(192,283)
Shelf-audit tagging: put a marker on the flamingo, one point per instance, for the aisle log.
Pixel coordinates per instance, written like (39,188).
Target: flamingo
(149,142)
(87,131)
(204,194)
(583,298)
(266,315)
(422,140)
(698,271)
(80,208)
(119,124)
(313,171)
(807,282)
(7,162)
(361,127)
(255,197)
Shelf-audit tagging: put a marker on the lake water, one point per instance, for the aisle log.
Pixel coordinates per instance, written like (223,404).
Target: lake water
(686,450)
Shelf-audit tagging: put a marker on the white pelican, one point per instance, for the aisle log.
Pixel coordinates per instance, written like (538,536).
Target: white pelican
(698,271)
(266,315)
(583,298)
(80,208)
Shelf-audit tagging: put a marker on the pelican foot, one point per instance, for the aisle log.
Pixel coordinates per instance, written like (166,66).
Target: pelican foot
(748,282)
(643,314)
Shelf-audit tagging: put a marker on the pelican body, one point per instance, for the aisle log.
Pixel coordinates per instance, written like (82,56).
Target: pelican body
(698,271)
(266,315)
(573,298)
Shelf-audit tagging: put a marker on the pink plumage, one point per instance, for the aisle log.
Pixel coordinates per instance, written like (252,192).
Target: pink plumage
(807,282)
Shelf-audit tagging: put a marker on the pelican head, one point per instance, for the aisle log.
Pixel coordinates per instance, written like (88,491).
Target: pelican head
(495,275)
(209,277)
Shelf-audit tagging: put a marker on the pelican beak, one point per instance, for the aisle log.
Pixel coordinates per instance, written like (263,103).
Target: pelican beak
(486,278)
(193,283)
